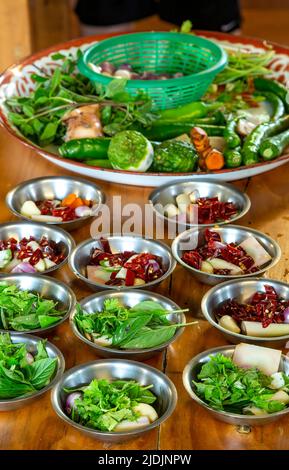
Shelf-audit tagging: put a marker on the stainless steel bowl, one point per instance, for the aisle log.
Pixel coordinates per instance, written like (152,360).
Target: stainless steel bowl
(242,290)
(230,233)
(167,194)
(20,230)
(47,287)
(129,298)
(54,187)
(53,352)
(191,372)
(114,369)
(80,256)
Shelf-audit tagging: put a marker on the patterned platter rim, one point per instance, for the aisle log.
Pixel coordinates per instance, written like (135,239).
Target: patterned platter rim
(229,40)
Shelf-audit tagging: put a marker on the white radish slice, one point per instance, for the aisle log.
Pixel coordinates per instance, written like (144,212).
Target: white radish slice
(146,410)
(254,410)
(218,263)
(46,218)
(254,328)
(29,209)
(49,263)
(256,251)
(266,360)
(277,381)
(97,274)
(121,273)
(229,324)
(171,210)
(40,266)
(183,201)
(126,425)
(281,396)
(102,340)
(194,195)
(207,267)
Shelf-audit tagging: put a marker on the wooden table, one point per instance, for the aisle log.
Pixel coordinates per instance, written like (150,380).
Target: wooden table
(190,427)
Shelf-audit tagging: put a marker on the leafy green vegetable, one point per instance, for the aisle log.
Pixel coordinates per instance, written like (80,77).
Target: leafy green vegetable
(18,376)
(23,310)
(143,326)
(227,387)
(104,404)
(39,115)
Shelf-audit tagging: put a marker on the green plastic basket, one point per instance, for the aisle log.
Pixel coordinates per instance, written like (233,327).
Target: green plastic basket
(160,52)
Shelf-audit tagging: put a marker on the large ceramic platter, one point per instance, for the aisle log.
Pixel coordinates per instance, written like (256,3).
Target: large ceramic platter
(16,80)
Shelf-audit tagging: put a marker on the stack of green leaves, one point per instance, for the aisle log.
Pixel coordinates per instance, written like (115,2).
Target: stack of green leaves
(227,387)
(22,310)
(21,373)
(141,327)
(104,404)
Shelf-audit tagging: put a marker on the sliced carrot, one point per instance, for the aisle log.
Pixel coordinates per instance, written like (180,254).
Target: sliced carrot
(215,160)
(87,202)
(68,200)
(76,203)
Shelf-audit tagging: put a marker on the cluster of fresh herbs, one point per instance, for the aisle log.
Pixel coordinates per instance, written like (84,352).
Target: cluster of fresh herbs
(141,327)
(103,404)
(22,310)
(39,115)
(227,387)
(22,373)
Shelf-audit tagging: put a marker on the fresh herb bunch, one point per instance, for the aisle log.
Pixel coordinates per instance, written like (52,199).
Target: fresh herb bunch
(21,373)
(244,65)
(227,387)
(103,405)
(39,115)
(141,327)
(22,310)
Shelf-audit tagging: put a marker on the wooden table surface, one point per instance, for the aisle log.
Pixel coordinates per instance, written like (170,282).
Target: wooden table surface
(190,427)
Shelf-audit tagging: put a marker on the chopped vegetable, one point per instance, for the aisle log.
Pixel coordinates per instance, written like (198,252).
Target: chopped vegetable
(227,258)
(143,326)
(265,307)
(127,268)
(118,406)
(23,373)
(22,310)
(30,255)
(210,159)
(226,386)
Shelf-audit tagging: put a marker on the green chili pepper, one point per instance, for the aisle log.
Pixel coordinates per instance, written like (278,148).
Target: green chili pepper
(172,130)
(251,147)
(190,111)
(230,135)
(85,149)
(264,84)
(274,147)
(233,157)
(106,115)
(276,103)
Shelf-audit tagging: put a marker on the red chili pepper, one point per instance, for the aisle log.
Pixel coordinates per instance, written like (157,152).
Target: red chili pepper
(129,278)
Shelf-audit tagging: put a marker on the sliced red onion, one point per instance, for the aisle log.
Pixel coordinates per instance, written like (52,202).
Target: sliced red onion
(286,315)
(24,268)
(152,263)
(82,211)
(70,401)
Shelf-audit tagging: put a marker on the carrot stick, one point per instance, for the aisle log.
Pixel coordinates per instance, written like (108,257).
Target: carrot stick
(77,203)
(68,200)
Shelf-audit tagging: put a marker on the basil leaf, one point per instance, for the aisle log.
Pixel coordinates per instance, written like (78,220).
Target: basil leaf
(129,328)
(150,338)
(115,87)
(41,351)
(41,372)
(49,132)
(47,320)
